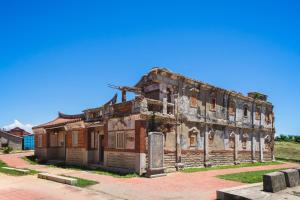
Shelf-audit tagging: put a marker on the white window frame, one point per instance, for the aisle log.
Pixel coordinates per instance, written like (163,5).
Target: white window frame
(53,139)
(74,138)
(120,140)
(93,146)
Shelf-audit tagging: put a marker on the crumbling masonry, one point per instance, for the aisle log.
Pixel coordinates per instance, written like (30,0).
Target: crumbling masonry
(203,125)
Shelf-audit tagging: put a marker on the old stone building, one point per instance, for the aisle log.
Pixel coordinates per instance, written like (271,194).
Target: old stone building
(202,125)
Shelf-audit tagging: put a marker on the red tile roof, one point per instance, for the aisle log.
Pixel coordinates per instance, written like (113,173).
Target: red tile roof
(61,120)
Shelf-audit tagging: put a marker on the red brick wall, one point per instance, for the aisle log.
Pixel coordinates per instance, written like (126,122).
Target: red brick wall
(82,139)
(140,136)
(44,140)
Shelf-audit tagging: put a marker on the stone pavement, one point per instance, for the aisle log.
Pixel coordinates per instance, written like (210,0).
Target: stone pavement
(31,188)
(199,185)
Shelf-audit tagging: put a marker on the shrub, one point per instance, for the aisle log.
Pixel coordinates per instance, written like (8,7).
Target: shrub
(297,139)
(7,150)
(287,138)
(281,138)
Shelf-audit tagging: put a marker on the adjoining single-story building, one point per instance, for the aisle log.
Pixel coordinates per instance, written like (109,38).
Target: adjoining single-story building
(200,124)
(17,138)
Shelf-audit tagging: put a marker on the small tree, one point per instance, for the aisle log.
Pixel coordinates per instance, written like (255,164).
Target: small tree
(7,150)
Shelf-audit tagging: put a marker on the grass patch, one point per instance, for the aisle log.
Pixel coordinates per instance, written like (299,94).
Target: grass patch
(31,160)
(287,151)
(13,172)
(247,177)
(82,182)
(191,170)
(115,174)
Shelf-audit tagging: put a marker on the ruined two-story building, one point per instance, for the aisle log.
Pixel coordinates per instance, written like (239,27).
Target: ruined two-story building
(202,125)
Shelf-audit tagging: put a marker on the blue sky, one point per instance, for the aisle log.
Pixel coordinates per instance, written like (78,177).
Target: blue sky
(60,55)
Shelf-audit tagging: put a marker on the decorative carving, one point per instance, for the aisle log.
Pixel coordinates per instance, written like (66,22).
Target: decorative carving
(211,136)
(231,140)
(245,137)
(267,142)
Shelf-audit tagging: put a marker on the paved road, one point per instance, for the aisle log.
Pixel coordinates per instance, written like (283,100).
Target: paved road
(200,185)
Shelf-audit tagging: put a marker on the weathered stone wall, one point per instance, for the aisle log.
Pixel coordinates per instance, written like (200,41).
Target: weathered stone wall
(77,156)
(170,161)
(12,141)
(268,156)
(192,158)
(120,159)
(41,153)
(56,153)
(244,156)
(218,157)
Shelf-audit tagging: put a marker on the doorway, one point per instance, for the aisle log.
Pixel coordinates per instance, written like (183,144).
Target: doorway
(101,148)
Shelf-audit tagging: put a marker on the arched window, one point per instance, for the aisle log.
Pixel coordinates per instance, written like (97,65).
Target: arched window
(257,113)
(213,102)
(269,117)
(232,108)
(169,95)
(245,111)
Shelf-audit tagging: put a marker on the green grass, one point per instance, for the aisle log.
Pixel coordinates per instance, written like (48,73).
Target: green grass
(82,182)
(287,151)
(114,174)
(31,160)
(13,172)
(247,177)
(191,170)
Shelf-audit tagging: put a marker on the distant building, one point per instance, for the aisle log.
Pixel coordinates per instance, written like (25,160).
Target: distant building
(201,125)
(16,138)
(18,132)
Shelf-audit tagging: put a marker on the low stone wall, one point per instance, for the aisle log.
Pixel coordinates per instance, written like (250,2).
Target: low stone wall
(41,153)
(193,158)
(120,159)
(77,156)
(225,157)
(257,155)
(268,156)
(170,161)
(244,156)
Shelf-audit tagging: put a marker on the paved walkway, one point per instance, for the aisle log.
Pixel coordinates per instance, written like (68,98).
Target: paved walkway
(200,185)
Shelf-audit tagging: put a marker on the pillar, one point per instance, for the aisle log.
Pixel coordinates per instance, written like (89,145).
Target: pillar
(236,146)
(165,106)
(253,146)
(261,146)
(123,96)
(206,148)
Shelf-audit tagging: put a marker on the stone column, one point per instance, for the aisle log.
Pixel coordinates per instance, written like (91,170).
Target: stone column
(206,148)
(261,146)
(253,146)
(236,146)
(178,133)
(140,146)
(165,106)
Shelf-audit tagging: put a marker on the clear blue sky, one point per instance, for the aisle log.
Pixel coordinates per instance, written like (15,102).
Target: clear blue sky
(60,55)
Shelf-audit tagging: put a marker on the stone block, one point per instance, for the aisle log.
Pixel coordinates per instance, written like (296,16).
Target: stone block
(291,177)
(56,178)
(25,171)
(274,182)
(298,169)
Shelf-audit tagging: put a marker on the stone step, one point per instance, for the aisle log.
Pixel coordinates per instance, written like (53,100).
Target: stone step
(25,171)
(56,178)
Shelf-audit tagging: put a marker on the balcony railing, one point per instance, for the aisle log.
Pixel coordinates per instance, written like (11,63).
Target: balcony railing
(163,107)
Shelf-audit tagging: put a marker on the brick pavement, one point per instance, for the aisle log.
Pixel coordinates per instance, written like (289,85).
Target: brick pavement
(199,185)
